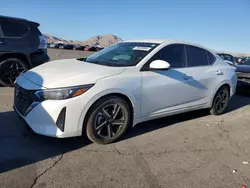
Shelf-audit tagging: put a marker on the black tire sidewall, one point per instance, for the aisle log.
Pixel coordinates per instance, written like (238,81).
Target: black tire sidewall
(9,60)
(91,134)
(213,110)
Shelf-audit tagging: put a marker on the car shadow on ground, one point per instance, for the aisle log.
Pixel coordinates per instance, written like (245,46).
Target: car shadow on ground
(238,101)
(20,146)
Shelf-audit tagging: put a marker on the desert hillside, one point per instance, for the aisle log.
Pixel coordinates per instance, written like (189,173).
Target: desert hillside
(105,40)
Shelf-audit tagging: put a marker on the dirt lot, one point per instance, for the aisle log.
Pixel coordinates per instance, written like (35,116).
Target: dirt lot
(55,54)
(188,150)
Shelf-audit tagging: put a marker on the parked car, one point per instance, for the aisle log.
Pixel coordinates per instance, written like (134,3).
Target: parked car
(52,45)
(243,73)
(59,45)
(98,48)
(79,47)
(91,48)
(228,58)
(56,45)
(22,46)
(68,46)
(124,84)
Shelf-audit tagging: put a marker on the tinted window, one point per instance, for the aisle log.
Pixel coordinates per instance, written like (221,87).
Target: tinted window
(13,28)
(196,56)
(174,54)
(34,29)
(210,58)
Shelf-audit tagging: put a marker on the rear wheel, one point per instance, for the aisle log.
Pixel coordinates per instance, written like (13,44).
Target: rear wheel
(220,101)
(10,69)
(108,120)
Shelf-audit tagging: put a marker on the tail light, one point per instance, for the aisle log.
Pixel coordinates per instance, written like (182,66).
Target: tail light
(43,42)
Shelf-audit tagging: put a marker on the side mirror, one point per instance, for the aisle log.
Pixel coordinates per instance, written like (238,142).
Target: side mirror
(159,65)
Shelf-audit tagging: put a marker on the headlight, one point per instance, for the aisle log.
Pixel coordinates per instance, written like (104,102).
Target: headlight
(61,93)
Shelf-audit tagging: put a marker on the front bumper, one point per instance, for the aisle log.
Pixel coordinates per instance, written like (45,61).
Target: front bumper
(43,117)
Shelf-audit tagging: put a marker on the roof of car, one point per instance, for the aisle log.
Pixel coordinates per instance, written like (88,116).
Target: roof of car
(19,19)
(146,40)
(159,41)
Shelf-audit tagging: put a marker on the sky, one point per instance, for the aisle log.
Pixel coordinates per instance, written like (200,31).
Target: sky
(216,24)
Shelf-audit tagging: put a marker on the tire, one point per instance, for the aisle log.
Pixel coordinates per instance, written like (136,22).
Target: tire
(15,67)
(96,117)
(220,101)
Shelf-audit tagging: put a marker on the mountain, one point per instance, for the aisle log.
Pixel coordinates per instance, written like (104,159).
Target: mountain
(105,40)
(52,39)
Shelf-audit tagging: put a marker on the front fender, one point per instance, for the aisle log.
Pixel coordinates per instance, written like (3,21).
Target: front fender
(135,103)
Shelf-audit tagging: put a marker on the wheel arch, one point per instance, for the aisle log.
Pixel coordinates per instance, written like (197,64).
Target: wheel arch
(20,56)
(128,98)
(225,83)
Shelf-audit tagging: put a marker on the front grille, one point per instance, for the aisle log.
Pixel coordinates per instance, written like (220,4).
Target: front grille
(23,99)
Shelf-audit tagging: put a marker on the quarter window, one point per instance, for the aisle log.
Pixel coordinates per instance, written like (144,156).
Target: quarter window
(174,54)
(196,56)
(13,28)
(210,58)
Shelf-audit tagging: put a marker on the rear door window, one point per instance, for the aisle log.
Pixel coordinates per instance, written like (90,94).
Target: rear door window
(13,28)
(196,56)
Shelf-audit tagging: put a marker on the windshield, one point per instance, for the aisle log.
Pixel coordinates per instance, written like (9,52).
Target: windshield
(122,54)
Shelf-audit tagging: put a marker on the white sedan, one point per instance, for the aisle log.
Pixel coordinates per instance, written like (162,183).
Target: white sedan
(130,82)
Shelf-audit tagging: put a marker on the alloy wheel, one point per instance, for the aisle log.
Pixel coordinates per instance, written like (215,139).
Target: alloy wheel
(109,121)
(10,71)
(221,100)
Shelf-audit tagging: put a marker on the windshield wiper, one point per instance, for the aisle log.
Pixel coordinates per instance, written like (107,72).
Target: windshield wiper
(81,59)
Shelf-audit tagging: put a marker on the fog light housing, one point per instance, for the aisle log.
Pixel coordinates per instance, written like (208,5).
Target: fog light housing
(60,122)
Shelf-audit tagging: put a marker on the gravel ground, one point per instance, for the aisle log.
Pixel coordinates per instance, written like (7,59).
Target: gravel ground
(55,54)
(188,150)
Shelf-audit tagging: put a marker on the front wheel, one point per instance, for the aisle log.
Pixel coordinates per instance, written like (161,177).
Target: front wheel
(220,101)
(108,120)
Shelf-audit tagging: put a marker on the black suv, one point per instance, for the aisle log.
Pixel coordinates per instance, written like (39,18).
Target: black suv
(22,47)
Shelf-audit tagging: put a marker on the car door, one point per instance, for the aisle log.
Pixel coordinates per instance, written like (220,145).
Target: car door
(169,90)
(201,67)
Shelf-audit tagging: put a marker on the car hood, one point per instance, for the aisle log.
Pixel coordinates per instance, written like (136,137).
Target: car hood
(243,68)
(69,72)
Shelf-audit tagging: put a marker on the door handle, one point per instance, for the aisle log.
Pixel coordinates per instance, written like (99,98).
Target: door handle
(218,72)
(2,42)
